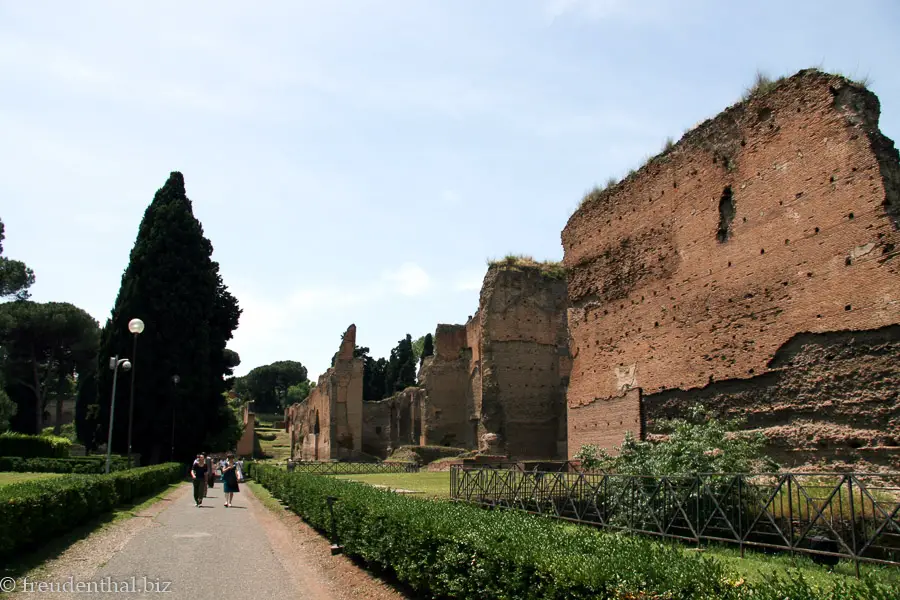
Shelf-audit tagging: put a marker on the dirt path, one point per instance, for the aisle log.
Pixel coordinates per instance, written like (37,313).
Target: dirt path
(212,552)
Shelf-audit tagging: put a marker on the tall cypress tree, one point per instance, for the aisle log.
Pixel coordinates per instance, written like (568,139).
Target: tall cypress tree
(172,284)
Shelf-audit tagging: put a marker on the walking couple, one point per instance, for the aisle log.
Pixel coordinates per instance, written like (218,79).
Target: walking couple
(199,473)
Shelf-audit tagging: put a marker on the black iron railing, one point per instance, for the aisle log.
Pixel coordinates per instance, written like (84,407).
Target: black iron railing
(351,468)
(837,515)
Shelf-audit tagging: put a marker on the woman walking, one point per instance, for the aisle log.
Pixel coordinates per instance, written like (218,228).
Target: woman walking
(230,480)
(198,474)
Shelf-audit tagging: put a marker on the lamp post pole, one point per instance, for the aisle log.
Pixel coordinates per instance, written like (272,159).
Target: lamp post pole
(114,364)
(175,380)
(135,326)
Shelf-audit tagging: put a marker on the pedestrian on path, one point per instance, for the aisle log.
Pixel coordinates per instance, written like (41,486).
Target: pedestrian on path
(198,474)
(230,480)
(210,475)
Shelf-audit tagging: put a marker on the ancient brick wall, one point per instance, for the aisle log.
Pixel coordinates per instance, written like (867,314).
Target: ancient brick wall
(603,422)
(524,344)
(393,422)
(776,218)
(504,372)
(445,377)
(328,424)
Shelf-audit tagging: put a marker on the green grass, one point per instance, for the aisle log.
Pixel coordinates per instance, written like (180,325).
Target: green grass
(432,484)
(279,447)
(7,478)
(267,499)
(756,567)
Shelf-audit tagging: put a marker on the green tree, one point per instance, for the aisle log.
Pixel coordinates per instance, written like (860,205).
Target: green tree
(267,386)
(699,443)
(15,277)
(46,345)
(418,347)
(174,286)
(427,348)
(401,367)
(373,374)
(7,408)
(298,393)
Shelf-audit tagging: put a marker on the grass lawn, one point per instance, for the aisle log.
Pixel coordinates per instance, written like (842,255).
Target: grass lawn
(436,484)
(7,478)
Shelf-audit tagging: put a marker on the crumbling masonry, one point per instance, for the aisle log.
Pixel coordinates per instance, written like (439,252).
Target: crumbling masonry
(753,267)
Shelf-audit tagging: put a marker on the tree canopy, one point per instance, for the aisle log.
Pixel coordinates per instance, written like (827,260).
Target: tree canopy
(46,347)
(15,276)
(267,385)
(401,367)
(174,286)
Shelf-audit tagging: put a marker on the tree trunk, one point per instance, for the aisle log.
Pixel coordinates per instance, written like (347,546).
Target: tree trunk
(59,413)
(39,401)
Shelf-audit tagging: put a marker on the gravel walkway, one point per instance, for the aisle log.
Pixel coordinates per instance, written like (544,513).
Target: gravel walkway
(206,553)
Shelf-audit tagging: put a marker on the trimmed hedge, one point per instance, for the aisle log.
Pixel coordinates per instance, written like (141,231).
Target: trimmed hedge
(94,465)
(34,511)
(34,446)
(454,550)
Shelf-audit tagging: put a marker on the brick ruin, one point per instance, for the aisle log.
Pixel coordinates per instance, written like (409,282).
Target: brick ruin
(496,383)
(752,267)
(328,424)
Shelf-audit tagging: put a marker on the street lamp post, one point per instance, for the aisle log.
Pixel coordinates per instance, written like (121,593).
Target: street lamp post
(114,364)
(175,380)
(135,326)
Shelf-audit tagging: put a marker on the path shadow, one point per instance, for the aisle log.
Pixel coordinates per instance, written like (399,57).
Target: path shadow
(241,507)
(27,559)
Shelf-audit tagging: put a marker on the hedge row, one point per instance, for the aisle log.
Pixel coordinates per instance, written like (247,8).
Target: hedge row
(83,465)
(34,446)
(33,512)
(453,550)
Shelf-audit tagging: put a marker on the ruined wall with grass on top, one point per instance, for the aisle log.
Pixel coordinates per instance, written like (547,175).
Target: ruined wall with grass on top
(776,219)
(503,374)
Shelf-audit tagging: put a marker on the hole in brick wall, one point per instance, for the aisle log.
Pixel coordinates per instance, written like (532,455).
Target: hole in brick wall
(850,216)
(855,443)
(745,219)
(888,248)
(764,113)
(715,160)
(729,263)
(832,179)
(817,230)
(743,142)
(786,242)
(378,430)
(818,316)
(809,273)
(726,214)
(762,250)
(751,371)
(847,261)
(848,307)
(656,323)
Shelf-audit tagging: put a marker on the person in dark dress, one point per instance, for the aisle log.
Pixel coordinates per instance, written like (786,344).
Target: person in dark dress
(198,474)
(230,480)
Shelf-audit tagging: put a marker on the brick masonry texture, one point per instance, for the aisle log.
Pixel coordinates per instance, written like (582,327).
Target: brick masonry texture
(328,424)
(504,372)
(770,230)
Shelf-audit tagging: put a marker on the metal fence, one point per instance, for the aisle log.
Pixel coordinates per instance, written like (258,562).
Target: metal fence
(834,515)
(351,468)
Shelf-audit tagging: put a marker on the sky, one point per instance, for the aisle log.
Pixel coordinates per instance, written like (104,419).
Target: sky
(359,161)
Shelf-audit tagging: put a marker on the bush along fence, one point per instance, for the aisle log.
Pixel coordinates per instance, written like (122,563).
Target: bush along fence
(837,515)
(33,512)
(95,465)
(352,468)
(452,550)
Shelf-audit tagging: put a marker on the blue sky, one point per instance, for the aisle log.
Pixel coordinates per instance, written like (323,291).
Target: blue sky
(358,161)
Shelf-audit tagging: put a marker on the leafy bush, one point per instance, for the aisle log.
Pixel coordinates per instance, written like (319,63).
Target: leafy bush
(457,551)
(83,465)
(67,431)
(697,444)
(34,511)
(423,455)
(34,446)
(266,436)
